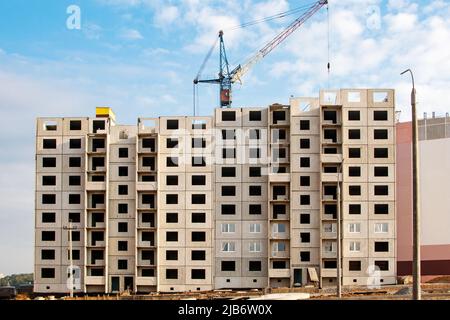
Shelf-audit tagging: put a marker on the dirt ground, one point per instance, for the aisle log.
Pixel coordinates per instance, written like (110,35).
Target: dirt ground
(437,289)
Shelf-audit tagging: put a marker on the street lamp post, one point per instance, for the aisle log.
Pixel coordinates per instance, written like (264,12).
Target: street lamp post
(416,195)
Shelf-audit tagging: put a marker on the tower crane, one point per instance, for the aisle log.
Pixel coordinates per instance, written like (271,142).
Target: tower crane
(227,76)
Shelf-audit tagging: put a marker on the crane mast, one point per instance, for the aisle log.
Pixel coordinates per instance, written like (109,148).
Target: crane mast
(227,78)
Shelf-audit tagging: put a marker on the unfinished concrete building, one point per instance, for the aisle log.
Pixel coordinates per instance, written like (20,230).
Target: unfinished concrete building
(248,198)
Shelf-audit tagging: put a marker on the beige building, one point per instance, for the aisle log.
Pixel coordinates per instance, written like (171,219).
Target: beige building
(245,199)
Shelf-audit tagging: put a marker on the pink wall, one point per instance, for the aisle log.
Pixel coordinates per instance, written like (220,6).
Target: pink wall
(435,258)
(404,191)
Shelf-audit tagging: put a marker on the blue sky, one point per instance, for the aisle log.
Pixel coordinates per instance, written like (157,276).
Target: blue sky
(140,56)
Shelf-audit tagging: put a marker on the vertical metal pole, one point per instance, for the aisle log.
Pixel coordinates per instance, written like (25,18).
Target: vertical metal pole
(416,203)
(70,259)
(416,194)
(338,231)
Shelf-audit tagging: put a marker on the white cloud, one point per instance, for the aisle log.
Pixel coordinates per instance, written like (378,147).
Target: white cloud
(401,22)
(92,31)
(166,16)
(131,34)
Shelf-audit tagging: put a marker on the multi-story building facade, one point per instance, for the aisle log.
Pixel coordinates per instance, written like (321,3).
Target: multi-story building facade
(248,198)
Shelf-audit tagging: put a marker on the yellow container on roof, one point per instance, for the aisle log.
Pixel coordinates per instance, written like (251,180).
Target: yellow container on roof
(105,112)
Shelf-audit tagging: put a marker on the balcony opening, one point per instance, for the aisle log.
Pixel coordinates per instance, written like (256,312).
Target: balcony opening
(330,97)
(279,264)
(330,192)
(330,169)
(97,199)
(330,209)
(279,209)
(279,193)
(97,236)
(148,255)
(328,150)
(149,143)
(278,134)
(96,255)
(98,125)
(278,116)
(148,178)
(97,217)
(330,135)
(98,178)
(98,162)
(149,162)
(148,200)
(98,144)
(330,264)
(148,217)
(330,116)
(148,236)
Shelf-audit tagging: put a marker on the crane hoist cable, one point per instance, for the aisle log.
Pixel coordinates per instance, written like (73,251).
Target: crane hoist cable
(270,18)
(328,46)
